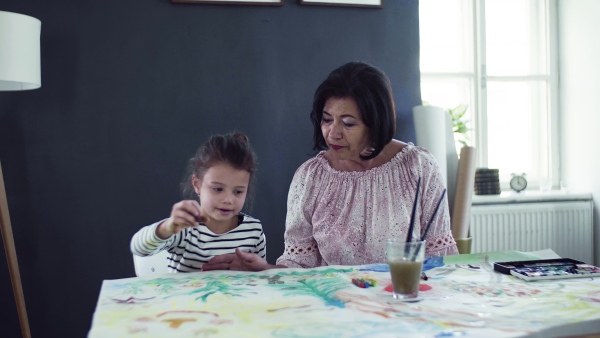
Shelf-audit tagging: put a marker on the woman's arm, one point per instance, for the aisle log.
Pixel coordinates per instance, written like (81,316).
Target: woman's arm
(440,241)
(301,249)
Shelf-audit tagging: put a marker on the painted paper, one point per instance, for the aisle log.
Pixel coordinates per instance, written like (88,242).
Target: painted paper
(457,299)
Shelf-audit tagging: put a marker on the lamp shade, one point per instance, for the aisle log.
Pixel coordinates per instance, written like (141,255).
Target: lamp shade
(19,52)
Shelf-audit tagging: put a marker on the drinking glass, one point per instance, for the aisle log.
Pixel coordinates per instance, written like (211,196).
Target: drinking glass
(406,263)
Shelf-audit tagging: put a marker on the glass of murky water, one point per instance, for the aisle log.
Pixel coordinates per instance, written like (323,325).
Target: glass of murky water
(406,263)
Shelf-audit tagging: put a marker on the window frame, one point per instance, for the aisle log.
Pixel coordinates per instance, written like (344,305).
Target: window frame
(479,79)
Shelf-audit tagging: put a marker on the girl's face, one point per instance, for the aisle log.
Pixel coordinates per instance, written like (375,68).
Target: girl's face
(343,129)
(222,193)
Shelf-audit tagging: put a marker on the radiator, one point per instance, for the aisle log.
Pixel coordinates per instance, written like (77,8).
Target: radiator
(565,227)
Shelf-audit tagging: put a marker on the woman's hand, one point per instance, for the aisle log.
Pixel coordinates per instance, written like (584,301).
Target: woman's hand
(241,261)
(184,214)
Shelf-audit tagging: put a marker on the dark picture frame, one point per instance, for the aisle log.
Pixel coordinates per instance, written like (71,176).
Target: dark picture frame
(349,3)
(232,2)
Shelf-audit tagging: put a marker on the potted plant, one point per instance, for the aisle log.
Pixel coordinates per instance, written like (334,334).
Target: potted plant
(459,125)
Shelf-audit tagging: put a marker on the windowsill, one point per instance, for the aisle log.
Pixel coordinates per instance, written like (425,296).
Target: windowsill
(529,197)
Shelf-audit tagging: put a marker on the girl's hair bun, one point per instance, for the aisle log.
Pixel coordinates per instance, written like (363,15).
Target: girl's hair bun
(241,137)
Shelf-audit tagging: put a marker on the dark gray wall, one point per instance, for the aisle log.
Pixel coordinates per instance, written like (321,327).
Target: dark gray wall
(129,90)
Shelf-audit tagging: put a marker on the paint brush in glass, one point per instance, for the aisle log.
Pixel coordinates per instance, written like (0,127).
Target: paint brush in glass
(411,226)
(433,216)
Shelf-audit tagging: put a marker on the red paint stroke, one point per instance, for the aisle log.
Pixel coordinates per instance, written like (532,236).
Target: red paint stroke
(144,319)
(288,307)
(221,322)
(382,314)
(365,304)
(422,287)
(187,311)
(130,300)
(591,299)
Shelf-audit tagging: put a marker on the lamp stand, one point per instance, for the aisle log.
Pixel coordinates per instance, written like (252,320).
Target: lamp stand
(11,258)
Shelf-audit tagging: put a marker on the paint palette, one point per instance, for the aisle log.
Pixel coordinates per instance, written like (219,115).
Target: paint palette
(547,269)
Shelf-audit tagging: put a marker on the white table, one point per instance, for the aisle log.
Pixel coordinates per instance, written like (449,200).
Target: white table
(455,300)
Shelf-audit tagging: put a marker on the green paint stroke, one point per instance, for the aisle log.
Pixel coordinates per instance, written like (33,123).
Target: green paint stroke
(323,288)
(320,283)
(161,285)
(280,272)
(211,288)
(323,284)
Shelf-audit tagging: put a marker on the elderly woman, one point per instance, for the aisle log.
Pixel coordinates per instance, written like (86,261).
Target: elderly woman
(359,189)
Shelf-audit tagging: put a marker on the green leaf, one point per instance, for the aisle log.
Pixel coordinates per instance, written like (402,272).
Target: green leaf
(461,129)
(459,124)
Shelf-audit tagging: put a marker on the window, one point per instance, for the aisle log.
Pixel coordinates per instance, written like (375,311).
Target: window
(497,57)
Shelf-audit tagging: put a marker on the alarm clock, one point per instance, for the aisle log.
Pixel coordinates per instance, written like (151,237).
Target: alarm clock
(518,182)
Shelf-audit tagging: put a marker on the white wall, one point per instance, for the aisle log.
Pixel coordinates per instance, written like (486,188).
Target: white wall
(579,55)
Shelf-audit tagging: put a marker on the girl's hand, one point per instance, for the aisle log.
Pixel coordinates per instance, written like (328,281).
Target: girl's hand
(241,261)
(185,214)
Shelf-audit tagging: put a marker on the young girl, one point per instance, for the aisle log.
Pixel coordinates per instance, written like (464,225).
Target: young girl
(222,175)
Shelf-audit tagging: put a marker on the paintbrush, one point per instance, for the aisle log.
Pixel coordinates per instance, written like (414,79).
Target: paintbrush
(433,216)
(412,216)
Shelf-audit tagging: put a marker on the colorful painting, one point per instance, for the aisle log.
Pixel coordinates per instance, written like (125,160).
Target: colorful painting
(456,299)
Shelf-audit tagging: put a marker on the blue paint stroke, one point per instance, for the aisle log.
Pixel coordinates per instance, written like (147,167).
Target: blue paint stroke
(379,267)
(451,333)
(433,262)
(428,264)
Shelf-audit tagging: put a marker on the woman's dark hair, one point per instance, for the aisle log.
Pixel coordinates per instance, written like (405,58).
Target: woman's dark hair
(371,90)
(232,149)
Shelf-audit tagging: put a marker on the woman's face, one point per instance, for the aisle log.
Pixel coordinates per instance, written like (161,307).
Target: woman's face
(343,129)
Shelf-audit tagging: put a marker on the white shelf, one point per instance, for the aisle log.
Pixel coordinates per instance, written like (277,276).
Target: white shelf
(529,197)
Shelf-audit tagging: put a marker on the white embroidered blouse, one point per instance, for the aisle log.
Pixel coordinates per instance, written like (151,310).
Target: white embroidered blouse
(344,218)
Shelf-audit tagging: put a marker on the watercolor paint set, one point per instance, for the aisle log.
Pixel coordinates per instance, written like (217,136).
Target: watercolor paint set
(544,269)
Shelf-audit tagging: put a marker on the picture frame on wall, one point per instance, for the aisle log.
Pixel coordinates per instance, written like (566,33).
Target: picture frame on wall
(231,2)
(351,3)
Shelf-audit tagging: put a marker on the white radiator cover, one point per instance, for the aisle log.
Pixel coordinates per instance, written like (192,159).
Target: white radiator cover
(564,226)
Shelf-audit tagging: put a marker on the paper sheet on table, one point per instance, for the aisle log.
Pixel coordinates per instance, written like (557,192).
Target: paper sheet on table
(471,302)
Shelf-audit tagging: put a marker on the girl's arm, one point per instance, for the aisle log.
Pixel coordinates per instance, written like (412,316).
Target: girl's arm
(145,242)
(261,246)
(185,214)
(156,237)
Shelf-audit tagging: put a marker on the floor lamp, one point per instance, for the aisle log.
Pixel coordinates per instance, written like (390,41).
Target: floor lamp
(19,70)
